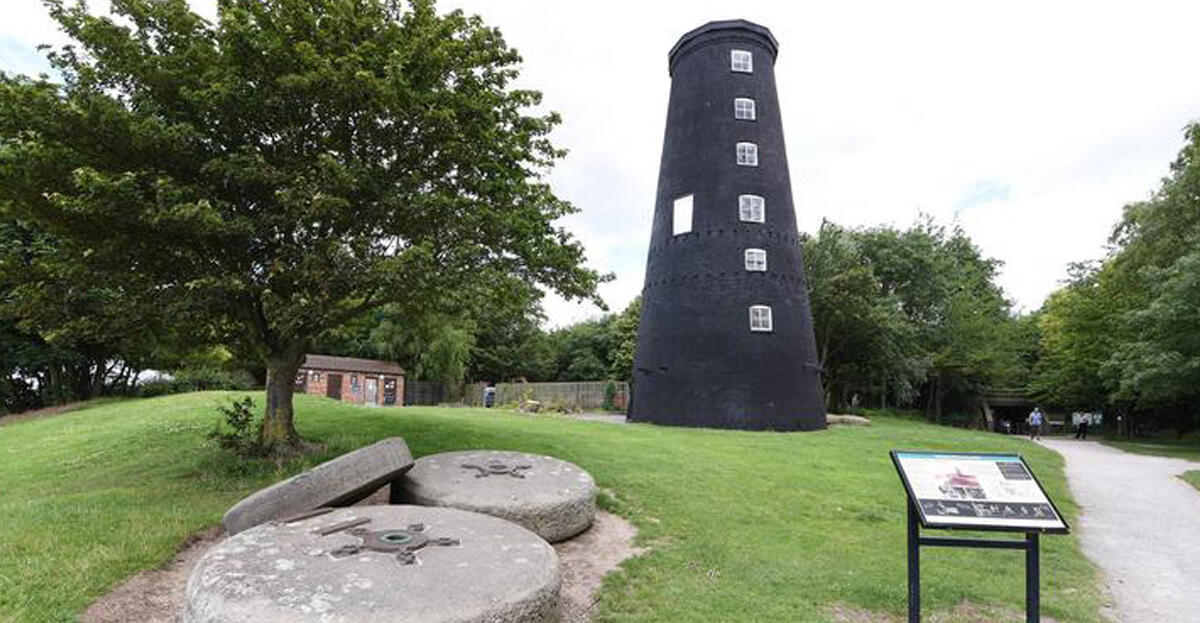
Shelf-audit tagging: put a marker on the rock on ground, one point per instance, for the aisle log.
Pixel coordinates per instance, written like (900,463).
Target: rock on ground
(846,420)
(551,497)
(157,595)
(492,570)
(339,482)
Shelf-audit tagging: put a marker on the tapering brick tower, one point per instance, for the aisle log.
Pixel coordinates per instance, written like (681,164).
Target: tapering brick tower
(726,335)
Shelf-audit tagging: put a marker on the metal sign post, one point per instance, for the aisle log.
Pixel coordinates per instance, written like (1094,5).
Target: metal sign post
(1032,564)
(975,491)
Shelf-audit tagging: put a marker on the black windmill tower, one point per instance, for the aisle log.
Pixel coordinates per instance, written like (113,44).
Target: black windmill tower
(726,335)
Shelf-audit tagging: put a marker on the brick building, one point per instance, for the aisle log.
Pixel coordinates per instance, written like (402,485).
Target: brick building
(359,381)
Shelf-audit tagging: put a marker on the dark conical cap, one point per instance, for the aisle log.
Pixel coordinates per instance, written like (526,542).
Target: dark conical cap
(722,30)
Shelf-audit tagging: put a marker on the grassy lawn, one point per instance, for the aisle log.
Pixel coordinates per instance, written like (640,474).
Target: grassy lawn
(1187,448)
(1192,478)
(742,526)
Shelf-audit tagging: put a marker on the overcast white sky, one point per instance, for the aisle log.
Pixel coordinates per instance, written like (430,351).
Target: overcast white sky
(1029,123)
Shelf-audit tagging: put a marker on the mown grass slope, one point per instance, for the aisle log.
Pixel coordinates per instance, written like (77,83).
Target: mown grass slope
(1187,448)
(742,526)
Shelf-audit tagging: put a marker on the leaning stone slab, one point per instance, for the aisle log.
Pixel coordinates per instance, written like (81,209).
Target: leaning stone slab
(553,498)
(342,481)
(378,563)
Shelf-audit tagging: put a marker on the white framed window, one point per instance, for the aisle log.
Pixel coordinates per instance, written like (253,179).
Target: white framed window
(756,260)
(741,61)
(747,154)
(760,318)
(743,108)
(681,220)
(752,208)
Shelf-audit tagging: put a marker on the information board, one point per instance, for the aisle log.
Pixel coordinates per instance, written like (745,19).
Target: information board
(976,491)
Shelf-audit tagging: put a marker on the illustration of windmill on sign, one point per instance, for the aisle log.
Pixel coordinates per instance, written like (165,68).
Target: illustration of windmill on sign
(962,486)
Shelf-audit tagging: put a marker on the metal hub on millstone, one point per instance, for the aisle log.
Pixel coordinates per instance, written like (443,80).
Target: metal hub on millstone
(404,543)
(495,467)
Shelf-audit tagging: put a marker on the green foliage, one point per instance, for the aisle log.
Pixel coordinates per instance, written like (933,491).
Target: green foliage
(583,351)
(1123,335)
(610,396)
(244,438)
(487,333)
(625,330)
(289,167)
(194,380)
(901,315)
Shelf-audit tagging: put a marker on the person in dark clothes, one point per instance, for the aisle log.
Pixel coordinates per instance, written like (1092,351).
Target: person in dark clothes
(1082,428)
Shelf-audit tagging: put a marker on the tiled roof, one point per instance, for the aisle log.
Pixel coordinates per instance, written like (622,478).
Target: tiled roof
(351,364)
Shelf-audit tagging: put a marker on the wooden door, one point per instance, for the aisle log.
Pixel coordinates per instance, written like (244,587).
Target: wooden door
(372,390)
(333,386)
(389,391)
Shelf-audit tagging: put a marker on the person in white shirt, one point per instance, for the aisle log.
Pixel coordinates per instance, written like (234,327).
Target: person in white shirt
(1035,423)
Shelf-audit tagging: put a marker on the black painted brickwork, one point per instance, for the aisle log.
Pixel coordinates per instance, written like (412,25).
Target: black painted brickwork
(698,363)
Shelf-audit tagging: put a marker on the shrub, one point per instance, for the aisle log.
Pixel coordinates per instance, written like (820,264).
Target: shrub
(243,439)
(195,380)
(610,396)
(201,379)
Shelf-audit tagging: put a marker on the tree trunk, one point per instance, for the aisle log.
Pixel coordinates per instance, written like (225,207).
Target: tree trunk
(937,399)
(278,428)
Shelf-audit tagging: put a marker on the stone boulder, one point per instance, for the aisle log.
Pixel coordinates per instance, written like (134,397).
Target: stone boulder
(378,563)
(846,420)
(340,482)
(551,497)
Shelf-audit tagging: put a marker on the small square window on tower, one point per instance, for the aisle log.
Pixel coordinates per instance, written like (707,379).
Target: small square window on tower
(760,318)
(742,61)
(756,260)
(743,108)
(681,219)
(752,209)
(747,154)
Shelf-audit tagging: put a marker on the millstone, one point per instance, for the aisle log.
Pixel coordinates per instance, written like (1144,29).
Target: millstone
(378,563)
(342,481)
(554,498)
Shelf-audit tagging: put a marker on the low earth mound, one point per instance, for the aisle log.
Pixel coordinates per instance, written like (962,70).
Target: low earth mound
(158,595)
(742,526)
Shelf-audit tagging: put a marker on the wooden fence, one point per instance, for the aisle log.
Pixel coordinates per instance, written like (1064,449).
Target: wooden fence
(432,393)
(575,396)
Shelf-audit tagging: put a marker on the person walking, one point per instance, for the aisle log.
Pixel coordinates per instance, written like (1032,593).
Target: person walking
(1081,429)
(1035,423)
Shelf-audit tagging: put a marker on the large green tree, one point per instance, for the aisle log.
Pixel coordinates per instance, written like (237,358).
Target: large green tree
(1122,334)
(865,342)
(289,167)
(963,335)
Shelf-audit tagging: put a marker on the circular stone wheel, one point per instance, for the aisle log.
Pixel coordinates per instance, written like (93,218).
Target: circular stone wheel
(497,572)
(554,498)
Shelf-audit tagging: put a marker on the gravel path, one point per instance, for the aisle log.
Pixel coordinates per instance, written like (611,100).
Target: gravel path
(1141,525)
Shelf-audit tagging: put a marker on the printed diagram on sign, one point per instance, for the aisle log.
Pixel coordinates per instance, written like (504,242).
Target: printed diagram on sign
(962,486)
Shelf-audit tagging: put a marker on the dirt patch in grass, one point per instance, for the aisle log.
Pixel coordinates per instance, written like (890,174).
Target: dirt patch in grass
(154,596)
(33,414)
(157,596)
(965,612)
(590,556)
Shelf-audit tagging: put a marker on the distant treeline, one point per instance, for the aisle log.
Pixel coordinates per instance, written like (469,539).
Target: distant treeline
(1123,335)
(903,318)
